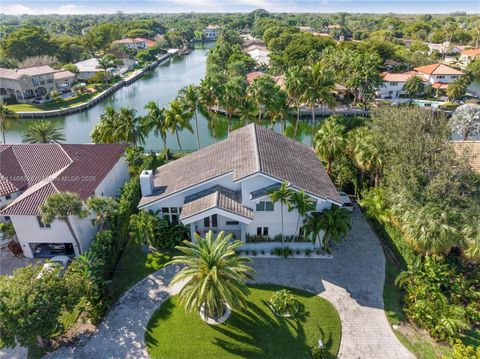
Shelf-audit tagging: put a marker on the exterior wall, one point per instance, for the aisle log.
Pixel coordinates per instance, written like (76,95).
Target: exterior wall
(111,184)
(4,202)
(391,89)
(65,83)
(26,88)
(86,75)
(210,34)
(441,78)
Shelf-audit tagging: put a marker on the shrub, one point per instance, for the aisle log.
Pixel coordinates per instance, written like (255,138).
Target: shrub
(15,248)
(284,303)
(308,252)
(262,252)
(462,351)
(282,252)
(253,253)
(319,353)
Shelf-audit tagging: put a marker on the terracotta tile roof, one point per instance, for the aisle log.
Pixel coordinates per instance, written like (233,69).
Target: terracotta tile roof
(438,69)
(36,167)
(440,85)
(473,147)
(253,75)
(249,150)
(471,52)
(400,77)
(215,197)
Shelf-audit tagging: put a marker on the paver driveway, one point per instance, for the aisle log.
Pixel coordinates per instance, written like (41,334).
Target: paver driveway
(352,281)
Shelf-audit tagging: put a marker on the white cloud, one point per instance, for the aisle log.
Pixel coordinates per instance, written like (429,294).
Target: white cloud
(16,9)
(67,9)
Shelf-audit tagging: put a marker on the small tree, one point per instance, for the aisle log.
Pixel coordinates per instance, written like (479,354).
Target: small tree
(30,307)
(62,206)
(6,115)
(336,224)
(302,203)
(103,207)
(144,227)
(466,120)
(457,88)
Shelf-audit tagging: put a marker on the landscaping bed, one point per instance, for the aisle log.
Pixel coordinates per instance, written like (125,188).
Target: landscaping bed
(255,333)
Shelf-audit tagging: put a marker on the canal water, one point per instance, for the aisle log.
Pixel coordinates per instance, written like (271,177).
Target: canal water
(161,85)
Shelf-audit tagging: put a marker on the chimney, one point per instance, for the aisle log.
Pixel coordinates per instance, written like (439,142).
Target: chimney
(146,183)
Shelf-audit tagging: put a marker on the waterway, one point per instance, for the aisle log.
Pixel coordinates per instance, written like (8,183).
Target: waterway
(161,85)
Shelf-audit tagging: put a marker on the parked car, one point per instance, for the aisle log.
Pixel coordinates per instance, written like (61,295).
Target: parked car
(347,202)
(57,261)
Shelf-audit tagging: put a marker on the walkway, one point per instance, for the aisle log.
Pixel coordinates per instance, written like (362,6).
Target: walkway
(352,281)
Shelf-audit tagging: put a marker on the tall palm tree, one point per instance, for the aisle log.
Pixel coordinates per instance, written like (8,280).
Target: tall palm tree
(330,142)
(320,87)
(43,131)
(282,195)
(365,152)
(302,203)
(6,115)
(260,91)
(156,120)
(106,130)
(215,275)
(413,86)
(130,128)
(234,93)
(62,206)
(312,226)
(277,107)
(177,117)
(190,97)
(106,62)
(295,83)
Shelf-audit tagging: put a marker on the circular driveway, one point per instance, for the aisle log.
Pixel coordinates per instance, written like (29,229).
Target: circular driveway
(352,281)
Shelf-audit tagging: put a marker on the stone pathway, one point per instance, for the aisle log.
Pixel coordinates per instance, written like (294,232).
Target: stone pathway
(352,281)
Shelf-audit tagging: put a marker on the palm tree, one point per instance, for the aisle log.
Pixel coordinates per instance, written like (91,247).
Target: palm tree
(330,142)
(177,117)
(277,107)
(43,131)
(103,207)
(156,120)
(365,152)
(106,130)
(6,115)
(260,91)
(413,86)
(62,206)
(295,83)
(320,86)
(312,226)
(106,62)
(335,222)
(302,203)
(282,195)
(215,275)
(190,97)
(130,128)
(429,228)
(471,233)
(457,88)
(234,93)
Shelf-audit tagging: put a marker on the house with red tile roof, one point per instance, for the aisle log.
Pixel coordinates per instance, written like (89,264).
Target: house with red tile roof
(137,43)
(467,56)
(438,76)
(30,173)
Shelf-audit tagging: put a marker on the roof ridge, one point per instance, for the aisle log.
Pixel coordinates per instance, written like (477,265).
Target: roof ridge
(257,152)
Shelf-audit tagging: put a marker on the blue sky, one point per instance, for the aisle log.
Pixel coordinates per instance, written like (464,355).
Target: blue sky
(162,6)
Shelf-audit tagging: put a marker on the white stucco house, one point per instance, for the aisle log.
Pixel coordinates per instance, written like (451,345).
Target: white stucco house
(227,186)
(211,32)
(438,76)
(30,173)
(467,56)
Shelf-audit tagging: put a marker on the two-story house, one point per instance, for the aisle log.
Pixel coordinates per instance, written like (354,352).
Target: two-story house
(30,173)
(27,84)
(211,32)
(438,76)
(227,186)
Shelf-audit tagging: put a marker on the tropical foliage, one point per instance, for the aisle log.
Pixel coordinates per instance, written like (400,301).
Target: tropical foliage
(215,275)
(43,131)
(284,303)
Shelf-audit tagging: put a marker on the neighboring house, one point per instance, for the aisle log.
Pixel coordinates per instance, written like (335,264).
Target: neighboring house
(30,173)
(306,29)
(211,32)
(227,186)
(27,84)
(444,48)
(467,56)
(257,51)
(393,83)
(87,68)
(438,76)
(64,80)
(473,148)
(138,43)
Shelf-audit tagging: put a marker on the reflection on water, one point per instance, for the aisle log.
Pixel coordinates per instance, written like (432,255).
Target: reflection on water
(160,85)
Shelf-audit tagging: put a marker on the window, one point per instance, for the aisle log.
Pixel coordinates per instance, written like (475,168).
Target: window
(264,206)
(171,214)
(232,223)
(262,231)
(393,83)
(43,225)
(440,77)
(7,197)
(210,222)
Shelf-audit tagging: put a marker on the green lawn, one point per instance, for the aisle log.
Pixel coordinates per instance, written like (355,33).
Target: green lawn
(134,265)
(255,333)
